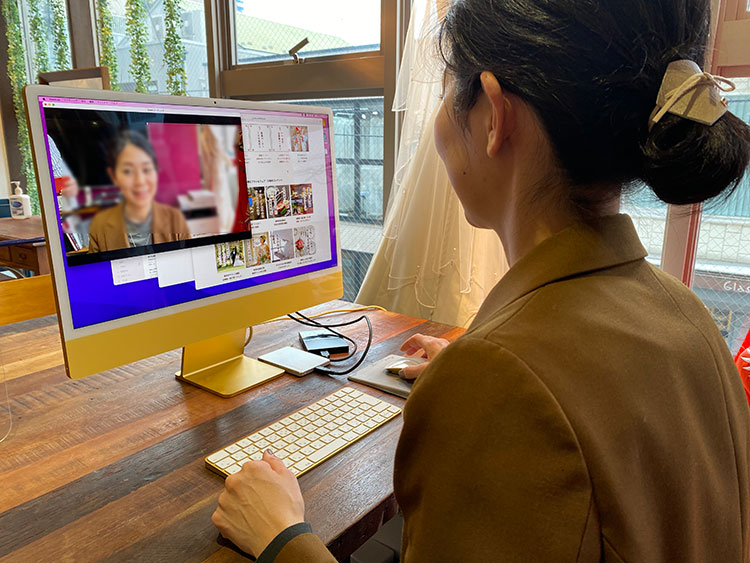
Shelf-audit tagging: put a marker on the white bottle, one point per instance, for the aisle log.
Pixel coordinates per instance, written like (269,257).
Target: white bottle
(20,204)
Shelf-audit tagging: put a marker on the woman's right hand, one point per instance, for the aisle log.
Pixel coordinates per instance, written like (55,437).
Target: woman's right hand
(421,346)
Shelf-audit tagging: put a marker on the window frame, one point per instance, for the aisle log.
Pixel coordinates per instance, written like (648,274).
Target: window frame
(366,74)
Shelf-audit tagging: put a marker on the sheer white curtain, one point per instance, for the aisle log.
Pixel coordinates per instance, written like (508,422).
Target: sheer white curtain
(430,262)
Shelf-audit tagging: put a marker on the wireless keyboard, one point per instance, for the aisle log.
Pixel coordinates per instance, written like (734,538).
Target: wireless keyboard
(309,436)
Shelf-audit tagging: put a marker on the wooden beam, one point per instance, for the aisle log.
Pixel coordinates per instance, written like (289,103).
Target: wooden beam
(350,74)
(84,43)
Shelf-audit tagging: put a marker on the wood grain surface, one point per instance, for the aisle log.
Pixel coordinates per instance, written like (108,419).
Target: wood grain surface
(110,467)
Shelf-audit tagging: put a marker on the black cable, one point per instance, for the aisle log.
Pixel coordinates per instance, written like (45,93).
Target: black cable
(358,362)
(311,322)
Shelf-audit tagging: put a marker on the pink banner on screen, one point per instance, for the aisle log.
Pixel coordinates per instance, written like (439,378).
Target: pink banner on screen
(176,148)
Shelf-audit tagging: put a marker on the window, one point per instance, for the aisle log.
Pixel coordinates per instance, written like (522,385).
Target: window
(649,216)
(722,268)
(193,34)
(358,142)
(45,26)
(266,31)
(358,83)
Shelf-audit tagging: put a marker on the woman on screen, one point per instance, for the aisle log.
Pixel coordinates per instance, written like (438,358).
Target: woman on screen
(137,220)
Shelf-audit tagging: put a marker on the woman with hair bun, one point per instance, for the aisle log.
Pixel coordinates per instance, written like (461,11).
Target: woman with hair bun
(592,411)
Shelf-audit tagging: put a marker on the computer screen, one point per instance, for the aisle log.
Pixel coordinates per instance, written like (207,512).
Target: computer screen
(158,205)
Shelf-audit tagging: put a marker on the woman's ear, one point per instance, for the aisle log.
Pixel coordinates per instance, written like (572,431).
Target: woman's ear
(111,174)
(502,122)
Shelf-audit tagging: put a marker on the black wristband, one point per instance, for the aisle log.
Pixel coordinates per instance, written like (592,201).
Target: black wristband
(277,544)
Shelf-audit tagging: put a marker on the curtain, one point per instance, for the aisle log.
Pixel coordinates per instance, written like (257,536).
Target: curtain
(430,262)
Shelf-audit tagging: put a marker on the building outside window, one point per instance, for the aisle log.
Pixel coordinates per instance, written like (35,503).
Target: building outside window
(266,31)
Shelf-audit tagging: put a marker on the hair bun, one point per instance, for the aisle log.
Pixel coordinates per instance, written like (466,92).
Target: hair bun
(688,162)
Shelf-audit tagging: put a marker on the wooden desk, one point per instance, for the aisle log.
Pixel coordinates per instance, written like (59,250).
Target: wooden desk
(27,256)
(111,467)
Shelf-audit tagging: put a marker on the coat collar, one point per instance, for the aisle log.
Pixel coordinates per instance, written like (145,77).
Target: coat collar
(582,248)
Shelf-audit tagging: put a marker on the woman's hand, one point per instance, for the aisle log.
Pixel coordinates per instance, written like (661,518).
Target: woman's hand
(424,347)
(258,503)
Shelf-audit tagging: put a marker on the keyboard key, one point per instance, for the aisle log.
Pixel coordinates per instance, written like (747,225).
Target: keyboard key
(233,469)
(244,443)
(327,450)
(277,426)
(226,462)
(317,444)
(233,448)
(239,455)
(303,464)
(221,454)
(297,456)
(349,436)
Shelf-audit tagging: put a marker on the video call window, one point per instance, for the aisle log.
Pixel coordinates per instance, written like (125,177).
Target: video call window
(132,183)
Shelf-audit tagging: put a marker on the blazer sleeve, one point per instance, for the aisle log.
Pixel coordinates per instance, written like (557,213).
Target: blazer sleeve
(305,548)
(488,467)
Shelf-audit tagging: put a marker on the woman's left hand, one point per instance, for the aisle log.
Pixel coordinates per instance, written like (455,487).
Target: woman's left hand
(259,502)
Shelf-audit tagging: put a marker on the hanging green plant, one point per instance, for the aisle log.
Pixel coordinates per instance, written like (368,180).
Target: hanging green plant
(107,42)
(174,49)
(38,30)
(18,79)
(60,36)
(135,22)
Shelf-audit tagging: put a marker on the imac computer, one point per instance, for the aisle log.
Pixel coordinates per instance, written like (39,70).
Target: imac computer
(178,222)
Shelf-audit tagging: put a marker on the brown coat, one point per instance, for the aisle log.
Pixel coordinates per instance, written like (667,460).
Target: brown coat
(108,231)
(592,412)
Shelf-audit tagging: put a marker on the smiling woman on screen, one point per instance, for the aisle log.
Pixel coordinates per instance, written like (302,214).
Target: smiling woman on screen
(137,220)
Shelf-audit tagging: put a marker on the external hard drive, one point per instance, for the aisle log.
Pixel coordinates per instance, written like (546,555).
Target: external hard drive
(294,361)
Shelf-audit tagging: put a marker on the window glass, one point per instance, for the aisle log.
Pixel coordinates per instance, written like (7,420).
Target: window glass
(266,31)
(193,35)
(358,142)
(46,36)
(722,270)
(649,216)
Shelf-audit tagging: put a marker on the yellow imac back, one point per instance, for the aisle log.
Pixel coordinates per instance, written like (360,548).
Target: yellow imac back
(179,222)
